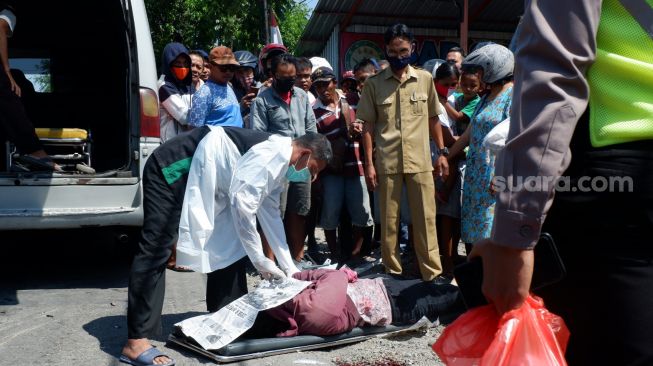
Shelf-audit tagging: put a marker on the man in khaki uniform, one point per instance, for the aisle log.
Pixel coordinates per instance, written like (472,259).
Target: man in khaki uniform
(399,108)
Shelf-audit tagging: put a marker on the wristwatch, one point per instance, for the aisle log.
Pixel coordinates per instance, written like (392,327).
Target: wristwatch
(444,151)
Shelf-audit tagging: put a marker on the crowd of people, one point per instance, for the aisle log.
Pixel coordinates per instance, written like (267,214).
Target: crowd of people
(398,148)
(290,96)
(259,151)
(394,133)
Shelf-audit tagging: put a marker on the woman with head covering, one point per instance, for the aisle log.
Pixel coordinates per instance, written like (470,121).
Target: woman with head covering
(175,90)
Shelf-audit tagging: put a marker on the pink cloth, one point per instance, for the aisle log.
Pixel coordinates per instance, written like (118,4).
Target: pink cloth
(323,308)
(352,276)
(371,300)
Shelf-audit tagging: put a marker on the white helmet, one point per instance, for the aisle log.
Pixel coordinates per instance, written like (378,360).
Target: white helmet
(496,61)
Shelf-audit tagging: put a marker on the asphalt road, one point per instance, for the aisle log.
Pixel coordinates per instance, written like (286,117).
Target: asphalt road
(63,301)
(63,298)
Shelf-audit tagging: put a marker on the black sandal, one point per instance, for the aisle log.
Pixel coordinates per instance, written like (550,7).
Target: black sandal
(38,164)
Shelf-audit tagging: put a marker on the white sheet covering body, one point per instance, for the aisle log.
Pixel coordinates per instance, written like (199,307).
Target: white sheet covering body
(216,229)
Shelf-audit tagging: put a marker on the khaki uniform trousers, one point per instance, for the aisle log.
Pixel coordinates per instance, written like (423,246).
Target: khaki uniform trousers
(421,200)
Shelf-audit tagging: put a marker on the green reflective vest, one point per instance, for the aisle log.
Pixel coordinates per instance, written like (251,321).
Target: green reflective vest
(621,79)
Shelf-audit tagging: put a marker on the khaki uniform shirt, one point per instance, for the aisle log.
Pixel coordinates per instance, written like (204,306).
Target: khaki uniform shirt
(400,111)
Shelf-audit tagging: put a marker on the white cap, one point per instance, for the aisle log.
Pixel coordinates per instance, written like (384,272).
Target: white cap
(318,62)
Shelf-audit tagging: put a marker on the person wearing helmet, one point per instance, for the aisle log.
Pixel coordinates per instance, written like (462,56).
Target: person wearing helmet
(349,88)
(494,63)
(581,115)
(244,82)
(269,52)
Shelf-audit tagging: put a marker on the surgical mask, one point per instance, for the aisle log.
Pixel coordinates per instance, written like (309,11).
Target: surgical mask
(298,176)
(397,63)
(180,72)
(284,85)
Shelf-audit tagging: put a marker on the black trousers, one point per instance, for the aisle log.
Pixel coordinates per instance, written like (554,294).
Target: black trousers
(15,126)
(410,300)
(606,242)
(162,210)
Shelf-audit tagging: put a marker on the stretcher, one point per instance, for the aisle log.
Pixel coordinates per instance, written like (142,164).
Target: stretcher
(247,349)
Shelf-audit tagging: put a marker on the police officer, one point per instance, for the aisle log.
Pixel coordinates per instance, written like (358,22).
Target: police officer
(569,54)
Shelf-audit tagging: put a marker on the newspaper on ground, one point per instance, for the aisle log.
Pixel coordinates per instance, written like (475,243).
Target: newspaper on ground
(216,330)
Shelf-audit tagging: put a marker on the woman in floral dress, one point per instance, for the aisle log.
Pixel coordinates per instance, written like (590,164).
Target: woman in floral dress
(494,66)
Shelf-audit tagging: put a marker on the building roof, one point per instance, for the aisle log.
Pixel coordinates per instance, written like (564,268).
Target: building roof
(484,15)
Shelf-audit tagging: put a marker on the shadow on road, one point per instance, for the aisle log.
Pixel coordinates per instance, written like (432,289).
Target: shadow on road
(61,259)
(111,331)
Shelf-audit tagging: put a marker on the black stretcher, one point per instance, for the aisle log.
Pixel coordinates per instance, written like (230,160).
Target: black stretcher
(247,349)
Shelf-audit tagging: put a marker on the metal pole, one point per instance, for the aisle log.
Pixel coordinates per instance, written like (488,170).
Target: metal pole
(267,19)
(464,26)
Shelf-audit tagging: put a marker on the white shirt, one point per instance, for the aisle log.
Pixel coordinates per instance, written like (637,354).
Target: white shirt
(174,113)
(225,194)
(445,120)
(10,18)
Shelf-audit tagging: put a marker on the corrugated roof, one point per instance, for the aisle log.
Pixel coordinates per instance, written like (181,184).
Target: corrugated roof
(484,15)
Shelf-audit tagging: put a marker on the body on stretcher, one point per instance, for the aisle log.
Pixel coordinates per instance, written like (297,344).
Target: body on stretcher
(311,309)
(247,349)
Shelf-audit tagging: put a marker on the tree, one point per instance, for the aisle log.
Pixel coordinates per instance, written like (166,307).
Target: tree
(239,25)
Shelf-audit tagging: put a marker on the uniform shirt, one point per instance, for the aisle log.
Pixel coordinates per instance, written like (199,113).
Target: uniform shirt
(215,105)
(271,113)
(400,111)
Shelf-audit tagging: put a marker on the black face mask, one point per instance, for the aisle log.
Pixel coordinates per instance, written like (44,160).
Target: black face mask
(284,85)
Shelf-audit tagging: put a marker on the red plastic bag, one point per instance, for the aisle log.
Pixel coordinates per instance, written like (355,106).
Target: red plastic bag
(530,335)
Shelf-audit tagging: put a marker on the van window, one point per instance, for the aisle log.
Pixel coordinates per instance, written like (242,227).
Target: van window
(80,68)
(36,71)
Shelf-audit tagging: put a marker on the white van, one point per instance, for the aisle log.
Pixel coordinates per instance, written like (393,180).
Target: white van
(93,69)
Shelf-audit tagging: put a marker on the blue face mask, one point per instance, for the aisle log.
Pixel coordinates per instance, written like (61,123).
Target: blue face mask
(298,176)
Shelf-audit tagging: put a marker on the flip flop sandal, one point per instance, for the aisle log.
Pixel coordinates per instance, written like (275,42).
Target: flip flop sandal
(180,269)
(147,358)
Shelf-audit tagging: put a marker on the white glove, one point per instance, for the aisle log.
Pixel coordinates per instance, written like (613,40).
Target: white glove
(268,269)
(291,270)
